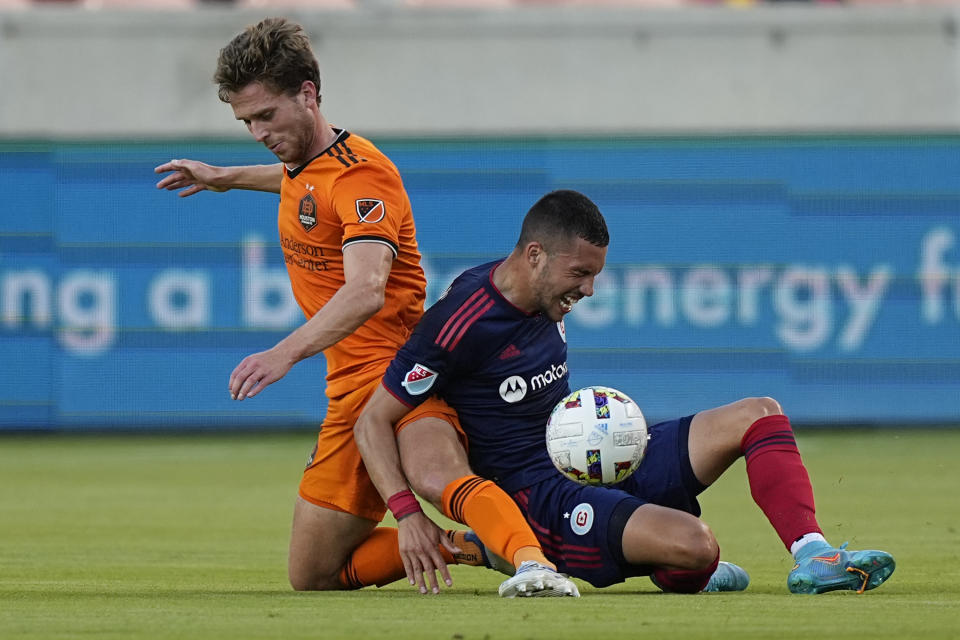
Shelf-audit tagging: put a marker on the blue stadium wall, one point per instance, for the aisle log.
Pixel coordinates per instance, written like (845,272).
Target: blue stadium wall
(822,271)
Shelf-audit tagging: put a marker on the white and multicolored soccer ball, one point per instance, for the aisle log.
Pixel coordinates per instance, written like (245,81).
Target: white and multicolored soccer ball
(597,436)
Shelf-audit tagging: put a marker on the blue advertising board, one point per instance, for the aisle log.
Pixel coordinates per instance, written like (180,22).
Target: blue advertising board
(822,271)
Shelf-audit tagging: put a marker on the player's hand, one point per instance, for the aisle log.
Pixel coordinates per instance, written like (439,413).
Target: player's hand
(419,538)
(256,371)
(191,176)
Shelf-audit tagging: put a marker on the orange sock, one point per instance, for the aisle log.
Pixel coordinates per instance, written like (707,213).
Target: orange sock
(377,561)
(494,517)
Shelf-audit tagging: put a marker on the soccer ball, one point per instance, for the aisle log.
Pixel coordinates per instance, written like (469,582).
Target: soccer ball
(597,436)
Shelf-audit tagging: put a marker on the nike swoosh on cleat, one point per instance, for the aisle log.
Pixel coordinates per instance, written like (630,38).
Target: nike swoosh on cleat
(834,559)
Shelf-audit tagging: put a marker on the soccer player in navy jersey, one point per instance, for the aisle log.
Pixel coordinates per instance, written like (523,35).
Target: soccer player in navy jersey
(494,349)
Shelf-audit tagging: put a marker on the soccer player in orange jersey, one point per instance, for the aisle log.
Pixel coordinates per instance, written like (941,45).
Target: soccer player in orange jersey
(349,243)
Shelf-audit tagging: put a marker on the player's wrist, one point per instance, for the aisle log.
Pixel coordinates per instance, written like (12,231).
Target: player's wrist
(403,504)
(224,178)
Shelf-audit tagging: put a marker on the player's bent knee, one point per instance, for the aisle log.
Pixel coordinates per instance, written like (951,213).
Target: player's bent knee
(769,406)
(759,407)
(666,537)
(700,546)
(428,484)
(432,457)
(302,580)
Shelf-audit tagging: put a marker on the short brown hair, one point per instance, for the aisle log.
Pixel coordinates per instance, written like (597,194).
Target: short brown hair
(275,52)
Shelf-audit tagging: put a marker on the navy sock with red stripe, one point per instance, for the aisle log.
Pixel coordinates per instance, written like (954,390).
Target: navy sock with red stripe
(778,480)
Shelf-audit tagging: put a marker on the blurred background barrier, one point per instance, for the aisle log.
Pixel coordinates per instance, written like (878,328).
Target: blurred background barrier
(824,271)
(781,184)
(529,68)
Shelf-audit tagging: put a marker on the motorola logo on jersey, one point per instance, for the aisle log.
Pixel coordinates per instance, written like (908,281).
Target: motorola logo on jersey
(308,212)
(513,389)
(419,379)
(548,377)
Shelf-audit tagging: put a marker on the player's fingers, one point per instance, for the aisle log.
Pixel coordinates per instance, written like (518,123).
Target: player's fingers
(438,565)
(418,575)
(431,581)
(237,392)
(408,568)
(445,572)
(170,182)
(172,165)
(427,561)
(237,378)
(192,189)
(258,386)
(252,379)
(232,383)
(449,545)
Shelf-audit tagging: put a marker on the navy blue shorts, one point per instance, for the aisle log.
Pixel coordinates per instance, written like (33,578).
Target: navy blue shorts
(581,528)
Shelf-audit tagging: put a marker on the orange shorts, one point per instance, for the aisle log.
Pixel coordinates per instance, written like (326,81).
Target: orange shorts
(335,477)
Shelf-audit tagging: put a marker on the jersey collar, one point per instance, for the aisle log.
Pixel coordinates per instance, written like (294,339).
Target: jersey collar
(342,134)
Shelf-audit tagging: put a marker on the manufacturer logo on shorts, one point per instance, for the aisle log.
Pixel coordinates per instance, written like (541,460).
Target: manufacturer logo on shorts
(581,518)
(513,389)
(419,379)
(308,212)
(370,210)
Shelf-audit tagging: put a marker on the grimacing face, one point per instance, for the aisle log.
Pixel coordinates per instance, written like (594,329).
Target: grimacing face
(284,124)
(566,276)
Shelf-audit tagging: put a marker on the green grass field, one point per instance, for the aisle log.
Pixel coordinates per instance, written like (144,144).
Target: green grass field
(185,537)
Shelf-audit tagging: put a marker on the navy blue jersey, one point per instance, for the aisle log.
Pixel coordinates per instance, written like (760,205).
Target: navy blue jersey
(502,369)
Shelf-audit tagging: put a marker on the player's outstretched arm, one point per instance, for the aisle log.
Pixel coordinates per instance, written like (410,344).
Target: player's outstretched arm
(419,536)
(366,268)
(192,176)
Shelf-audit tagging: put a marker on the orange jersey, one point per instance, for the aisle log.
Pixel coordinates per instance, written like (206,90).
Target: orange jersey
(351,193)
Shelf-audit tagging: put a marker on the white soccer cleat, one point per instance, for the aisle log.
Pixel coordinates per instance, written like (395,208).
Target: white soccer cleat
(535,580)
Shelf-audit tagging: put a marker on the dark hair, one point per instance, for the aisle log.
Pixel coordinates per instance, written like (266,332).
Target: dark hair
(275,52)
(560,216)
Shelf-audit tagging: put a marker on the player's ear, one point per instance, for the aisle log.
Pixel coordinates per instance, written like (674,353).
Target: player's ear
(309,91)
(534,253)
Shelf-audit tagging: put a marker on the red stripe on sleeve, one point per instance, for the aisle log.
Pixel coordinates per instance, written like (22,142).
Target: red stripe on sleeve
(456,313)
(457,319)
(476,316)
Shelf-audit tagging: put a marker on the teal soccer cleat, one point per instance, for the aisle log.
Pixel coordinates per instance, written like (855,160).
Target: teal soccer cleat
(821,568)
(728,577)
